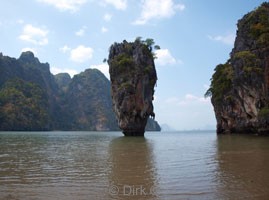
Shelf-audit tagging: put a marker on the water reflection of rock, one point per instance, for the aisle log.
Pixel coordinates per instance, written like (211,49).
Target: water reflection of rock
(132,171)
(243,167)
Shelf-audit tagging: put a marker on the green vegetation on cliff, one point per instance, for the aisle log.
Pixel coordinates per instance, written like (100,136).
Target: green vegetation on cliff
(221,81)
(32,99)
(23,106)
(264,113)
(257,24)
(239,88)
(94,110)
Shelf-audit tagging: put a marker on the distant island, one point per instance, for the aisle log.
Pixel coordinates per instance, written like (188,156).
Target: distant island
(33,99)
(240,88)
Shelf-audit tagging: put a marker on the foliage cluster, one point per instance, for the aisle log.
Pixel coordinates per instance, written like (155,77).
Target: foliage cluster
(23,106)
(251,63)
(256,23)
(149,42)
(247,56)
(264,113)
(125,59)
(121,62)
(147,69)
(221,82)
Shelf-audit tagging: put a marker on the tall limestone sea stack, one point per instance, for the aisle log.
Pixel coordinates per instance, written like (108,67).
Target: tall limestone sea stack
(240,88)
(133,77)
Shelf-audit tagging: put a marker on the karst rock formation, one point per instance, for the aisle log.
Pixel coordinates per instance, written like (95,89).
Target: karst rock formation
(133,77)
(240,88)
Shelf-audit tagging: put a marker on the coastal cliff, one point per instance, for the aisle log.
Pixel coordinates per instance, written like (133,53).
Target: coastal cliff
(133,77)
(240,88)
(33,99)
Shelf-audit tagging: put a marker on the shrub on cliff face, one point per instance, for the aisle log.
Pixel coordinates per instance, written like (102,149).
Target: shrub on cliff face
(149,42)
(246,56)
(264,113)
(125,59)
(259,21)
(121,62)
(221,82)
(250,63)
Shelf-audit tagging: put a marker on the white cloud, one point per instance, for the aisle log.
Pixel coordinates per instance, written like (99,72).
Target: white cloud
(164,57)
(81,54)
(81,32)
(65,49)
(65,5)
(34,35)
(225,39)
(104,29)
(107,17)
(20,21)
(189,99)
(118,4)
(157,9)
(103,68)
(29,49)
(56,70)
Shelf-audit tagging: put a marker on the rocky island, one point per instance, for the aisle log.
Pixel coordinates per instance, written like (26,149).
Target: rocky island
(33,99)
(133,77)
(240,88)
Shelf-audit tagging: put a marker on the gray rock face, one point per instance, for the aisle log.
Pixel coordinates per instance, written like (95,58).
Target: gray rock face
(133,77)
(240,87)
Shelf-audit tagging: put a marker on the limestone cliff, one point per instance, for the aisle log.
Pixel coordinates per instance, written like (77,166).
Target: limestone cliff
(89,103)
(133,77)
(240,87)
(32,99)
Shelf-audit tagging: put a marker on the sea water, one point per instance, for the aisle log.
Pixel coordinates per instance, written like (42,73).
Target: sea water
(107,165)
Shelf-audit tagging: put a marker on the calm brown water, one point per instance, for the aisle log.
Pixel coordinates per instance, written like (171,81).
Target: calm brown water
(91,165)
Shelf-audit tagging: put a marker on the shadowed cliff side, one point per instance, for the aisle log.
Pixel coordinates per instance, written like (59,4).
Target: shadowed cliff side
(32,99)
(240,87)
(133,77)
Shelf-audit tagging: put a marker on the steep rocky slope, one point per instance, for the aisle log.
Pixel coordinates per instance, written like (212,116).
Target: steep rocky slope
(240,87)
(27,94)
(32,99)
(89,103)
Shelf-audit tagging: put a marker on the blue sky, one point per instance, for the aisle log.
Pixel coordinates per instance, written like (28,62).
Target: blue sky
(73,35)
